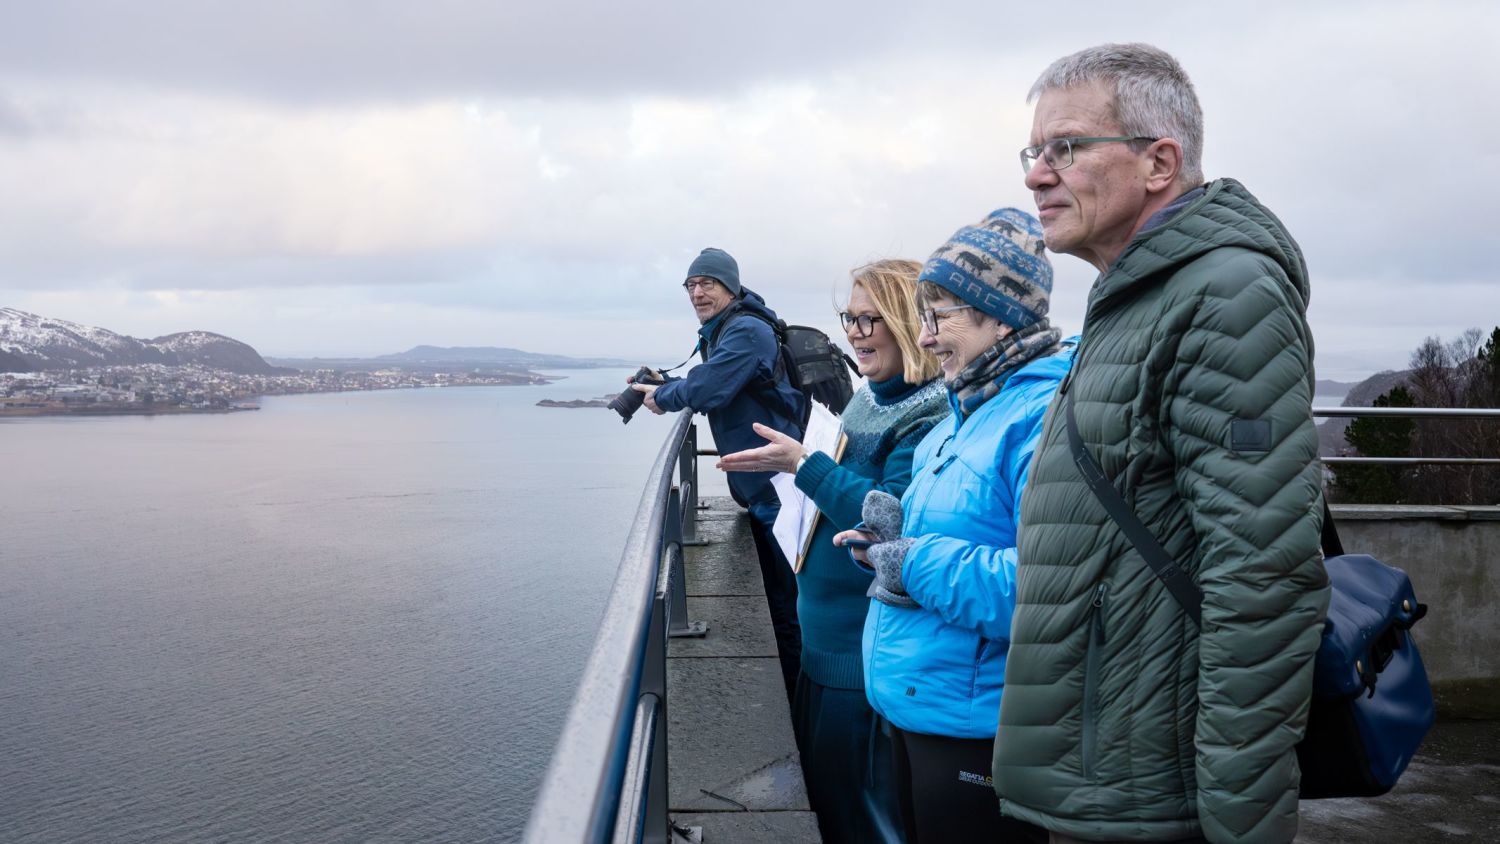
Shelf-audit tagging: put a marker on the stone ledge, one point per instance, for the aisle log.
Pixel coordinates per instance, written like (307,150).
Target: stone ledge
(733,767)
(1400,512)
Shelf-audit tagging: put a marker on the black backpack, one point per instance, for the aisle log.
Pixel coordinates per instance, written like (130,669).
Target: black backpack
(812,364)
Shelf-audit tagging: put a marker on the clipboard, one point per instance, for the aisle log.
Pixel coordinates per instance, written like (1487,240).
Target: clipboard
(812,526)
(797,518)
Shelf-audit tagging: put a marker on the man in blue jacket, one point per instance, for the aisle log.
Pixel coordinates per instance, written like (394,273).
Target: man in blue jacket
(740,382)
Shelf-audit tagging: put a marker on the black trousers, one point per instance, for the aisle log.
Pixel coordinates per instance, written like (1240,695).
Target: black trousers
(947,793)
(846,762)
(781,592)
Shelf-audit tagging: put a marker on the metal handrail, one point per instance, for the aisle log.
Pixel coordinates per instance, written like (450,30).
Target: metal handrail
(608,775)
(1412,461)
(1410,413)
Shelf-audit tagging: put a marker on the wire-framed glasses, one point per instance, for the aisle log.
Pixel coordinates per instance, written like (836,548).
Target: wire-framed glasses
(863,324)
(929,316)
(1058,152)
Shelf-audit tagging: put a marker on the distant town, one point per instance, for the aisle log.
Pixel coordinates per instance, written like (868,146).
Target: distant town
(51,366)
(156,388)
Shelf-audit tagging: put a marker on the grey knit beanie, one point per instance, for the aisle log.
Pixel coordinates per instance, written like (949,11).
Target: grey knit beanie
(719,265)
(997,265)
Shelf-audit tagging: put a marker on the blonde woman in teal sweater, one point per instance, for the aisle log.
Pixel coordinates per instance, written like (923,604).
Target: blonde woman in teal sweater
(845,756)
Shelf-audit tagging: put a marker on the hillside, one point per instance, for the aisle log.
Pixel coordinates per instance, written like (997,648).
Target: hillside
(32,343)
(1331,432)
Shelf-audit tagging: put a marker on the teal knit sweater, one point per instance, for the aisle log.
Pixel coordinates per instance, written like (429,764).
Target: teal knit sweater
(884,422)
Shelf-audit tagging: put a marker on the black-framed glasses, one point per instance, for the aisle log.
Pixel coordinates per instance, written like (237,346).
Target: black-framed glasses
(929,316)
(864,324)
(1058,152)
(704,284)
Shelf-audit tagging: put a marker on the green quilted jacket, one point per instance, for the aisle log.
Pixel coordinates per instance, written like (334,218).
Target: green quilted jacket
(1192,387)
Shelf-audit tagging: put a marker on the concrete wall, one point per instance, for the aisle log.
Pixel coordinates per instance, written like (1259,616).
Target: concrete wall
(1452,555)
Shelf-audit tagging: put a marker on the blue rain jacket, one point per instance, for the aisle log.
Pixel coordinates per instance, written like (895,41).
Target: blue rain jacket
(939,669)
(735,387)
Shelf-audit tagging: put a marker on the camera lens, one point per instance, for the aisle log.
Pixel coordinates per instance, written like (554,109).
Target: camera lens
(627,403)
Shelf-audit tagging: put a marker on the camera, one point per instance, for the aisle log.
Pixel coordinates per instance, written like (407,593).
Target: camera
(629,401)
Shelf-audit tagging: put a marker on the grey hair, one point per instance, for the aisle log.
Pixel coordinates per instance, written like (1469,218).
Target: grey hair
(1153,96)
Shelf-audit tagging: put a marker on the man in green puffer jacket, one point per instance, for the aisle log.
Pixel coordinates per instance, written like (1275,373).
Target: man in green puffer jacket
(1192,387)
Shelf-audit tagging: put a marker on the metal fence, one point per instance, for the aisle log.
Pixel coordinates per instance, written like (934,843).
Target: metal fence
(608,776)
(1410,413)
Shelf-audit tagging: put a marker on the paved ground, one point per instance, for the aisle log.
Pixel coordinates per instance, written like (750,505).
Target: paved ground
(1451,792)
(735,772)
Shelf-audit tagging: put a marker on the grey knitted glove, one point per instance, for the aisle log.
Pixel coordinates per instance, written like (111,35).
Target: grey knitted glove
(891,599)
(882,514)
(887,558)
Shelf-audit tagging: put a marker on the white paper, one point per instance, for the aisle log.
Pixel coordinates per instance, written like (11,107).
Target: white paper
(795,521)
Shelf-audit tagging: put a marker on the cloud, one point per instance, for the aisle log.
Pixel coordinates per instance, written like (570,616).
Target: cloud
(487,168)
(323,51)
(226,179)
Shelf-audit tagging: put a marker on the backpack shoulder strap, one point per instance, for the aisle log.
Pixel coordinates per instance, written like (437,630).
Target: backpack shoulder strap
(778,331)
(761,388)
(778,327)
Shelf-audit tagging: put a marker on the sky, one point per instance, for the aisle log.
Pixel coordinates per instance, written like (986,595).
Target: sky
(356,177)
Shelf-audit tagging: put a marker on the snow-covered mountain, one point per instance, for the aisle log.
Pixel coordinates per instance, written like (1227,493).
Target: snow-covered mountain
(29,342)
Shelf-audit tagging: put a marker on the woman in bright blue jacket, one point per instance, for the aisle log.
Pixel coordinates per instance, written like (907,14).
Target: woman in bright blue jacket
(938,629)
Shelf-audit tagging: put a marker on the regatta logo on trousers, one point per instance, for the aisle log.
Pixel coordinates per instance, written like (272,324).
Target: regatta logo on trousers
(976,779)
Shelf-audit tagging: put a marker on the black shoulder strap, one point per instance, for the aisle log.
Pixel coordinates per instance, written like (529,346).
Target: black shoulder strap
(762,389)
(737,310)
(1172,576)
(1332,545)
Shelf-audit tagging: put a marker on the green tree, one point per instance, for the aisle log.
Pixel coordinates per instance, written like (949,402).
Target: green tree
(1485,390)
(1373,436)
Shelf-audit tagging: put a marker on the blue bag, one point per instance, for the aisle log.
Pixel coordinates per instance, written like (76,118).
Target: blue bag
(1371,702)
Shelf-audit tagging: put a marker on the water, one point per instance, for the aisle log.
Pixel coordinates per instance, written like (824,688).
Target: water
(346,617)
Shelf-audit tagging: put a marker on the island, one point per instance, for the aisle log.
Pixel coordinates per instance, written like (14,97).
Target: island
(602,401)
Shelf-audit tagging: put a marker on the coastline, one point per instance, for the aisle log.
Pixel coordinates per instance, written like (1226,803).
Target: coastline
(244,403)
(29,412)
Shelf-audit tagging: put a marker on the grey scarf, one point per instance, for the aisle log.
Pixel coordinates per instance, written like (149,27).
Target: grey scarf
(980,381)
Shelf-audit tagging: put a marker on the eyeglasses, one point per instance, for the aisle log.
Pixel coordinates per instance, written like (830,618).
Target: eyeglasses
(929,316)
(865,322)
(1058,152)
(705,285)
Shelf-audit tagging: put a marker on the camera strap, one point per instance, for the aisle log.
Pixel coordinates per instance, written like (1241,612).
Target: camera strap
(684,361)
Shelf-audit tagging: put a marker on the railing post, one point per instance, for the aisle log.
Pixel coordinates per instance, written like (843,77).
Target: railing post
(687,470)
(678,627)
(657,829)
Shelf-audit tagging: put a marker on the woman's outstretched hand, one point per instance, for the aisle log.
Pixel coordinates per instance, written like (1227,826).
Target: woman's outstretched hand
(781,455)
